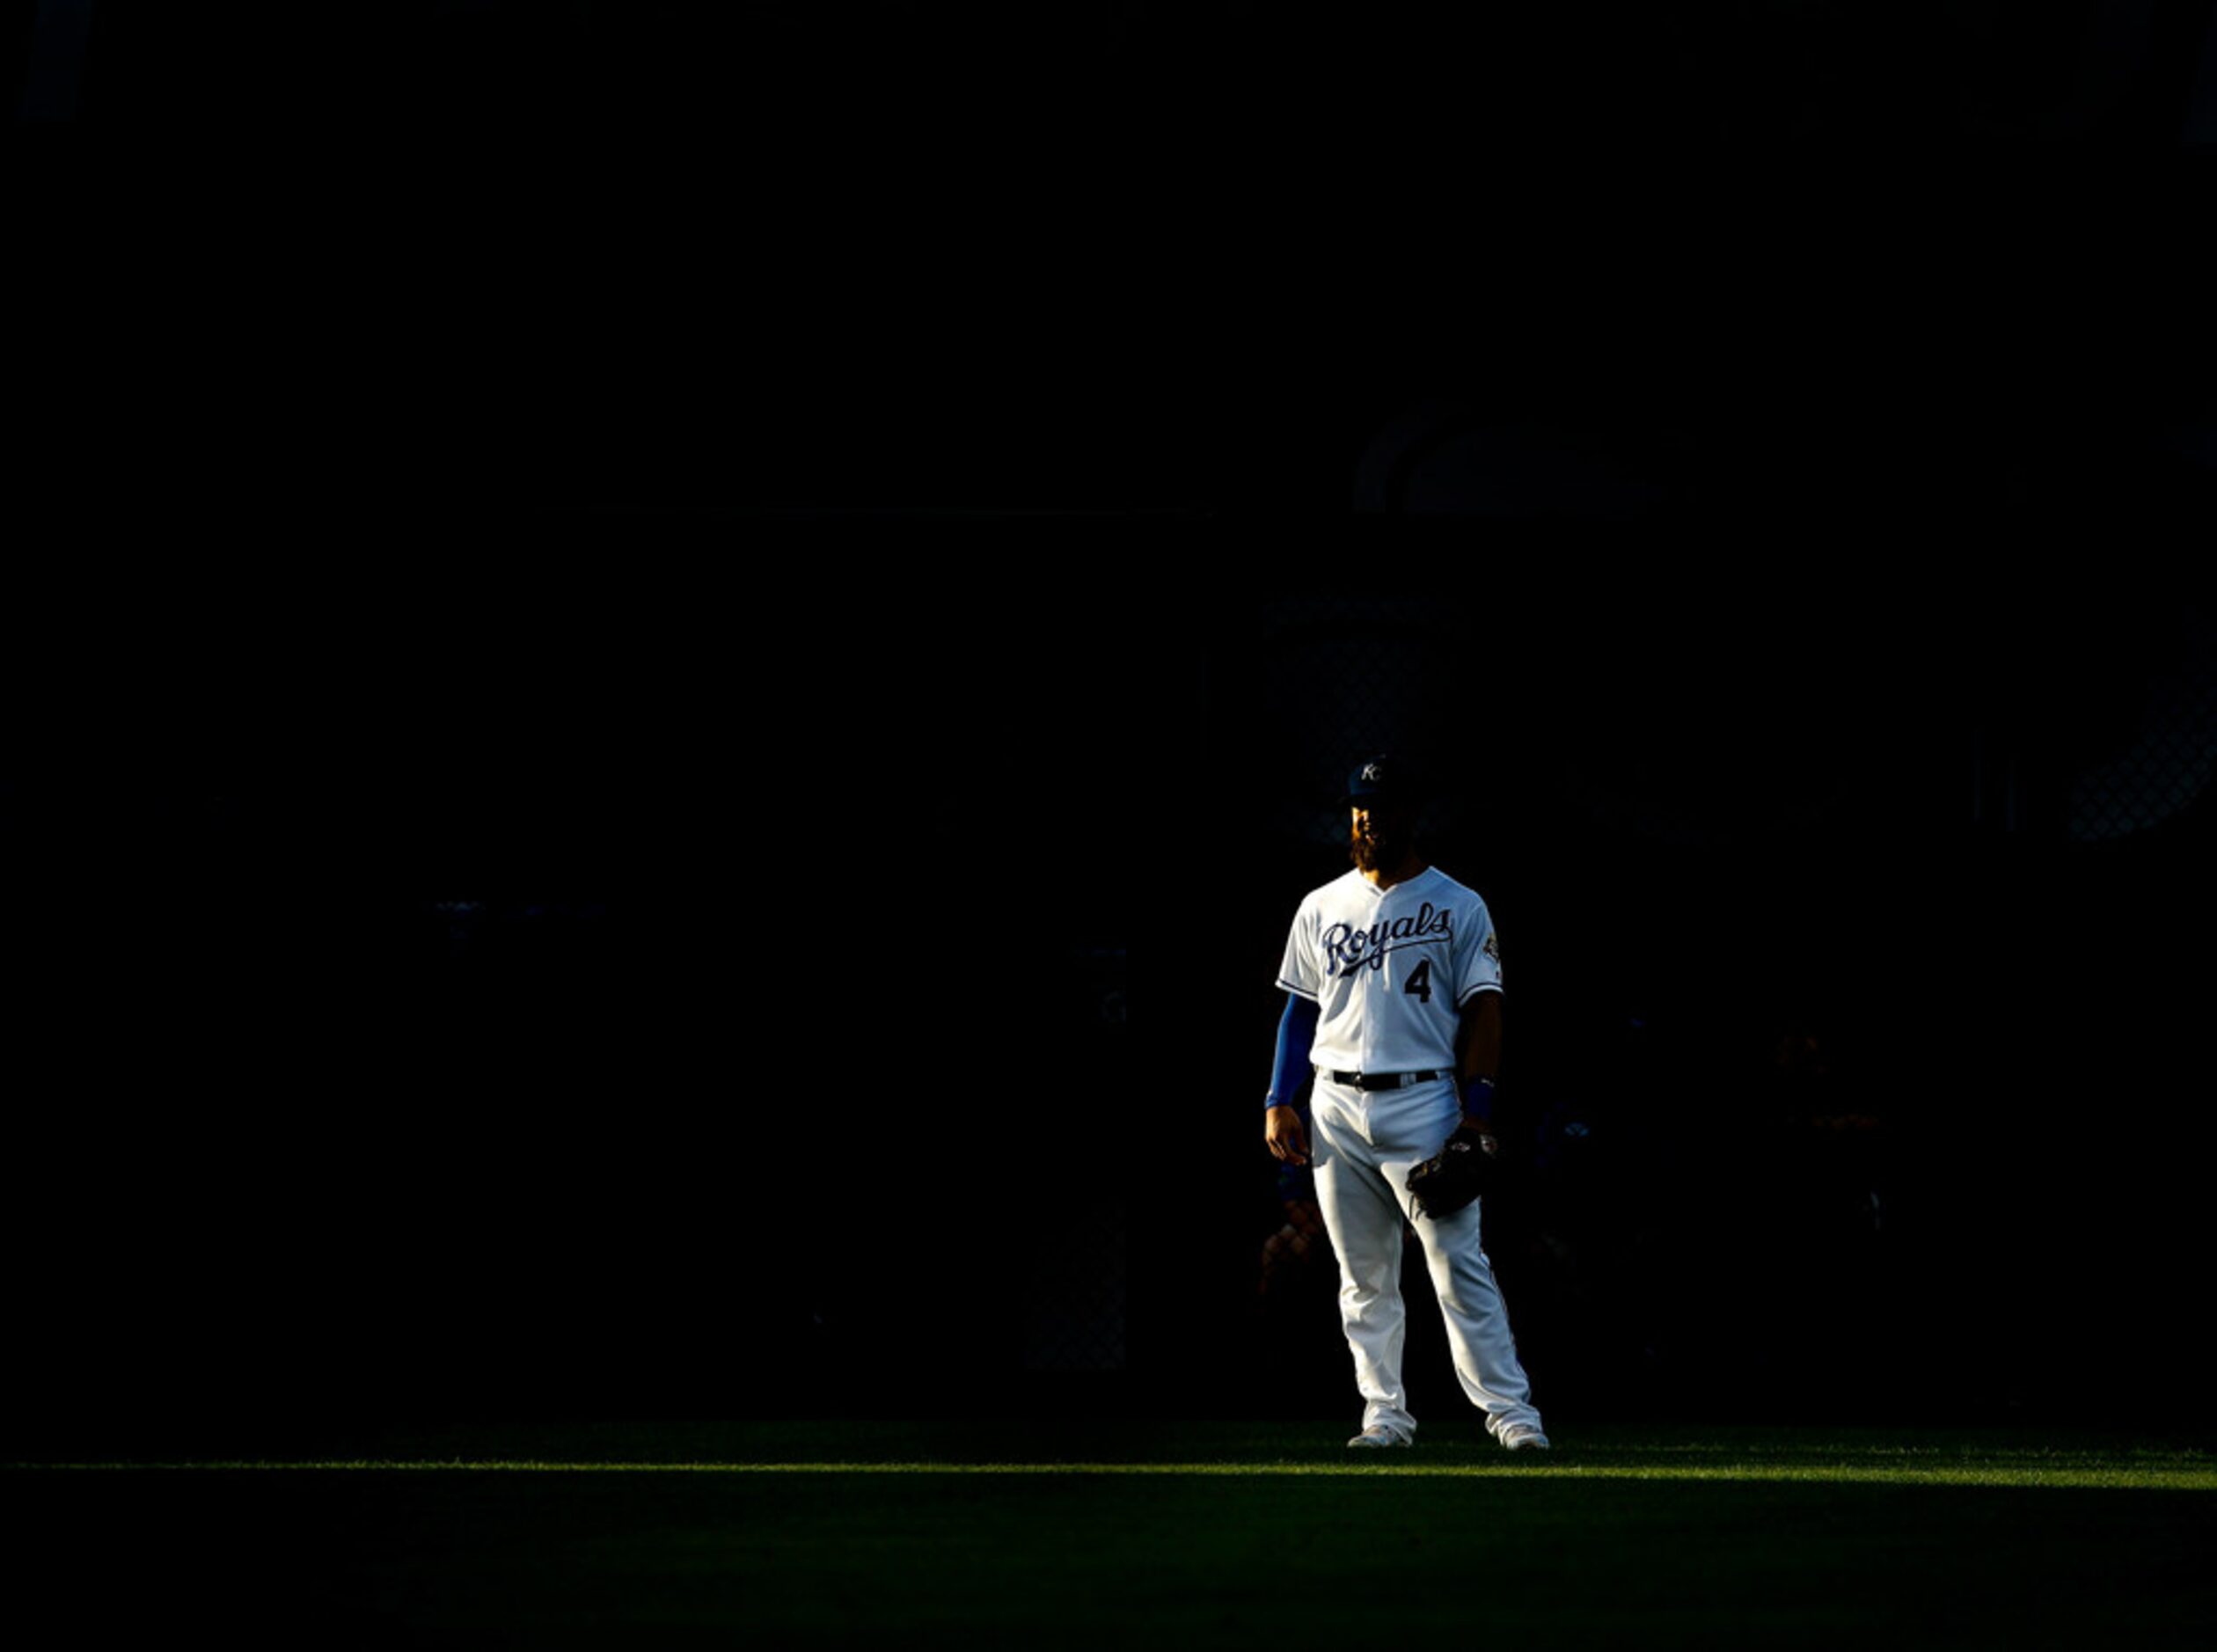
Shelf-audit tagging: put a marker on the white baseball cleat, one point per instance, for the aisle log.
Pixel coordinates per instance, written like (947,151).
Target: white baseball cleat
(1376,1438)
(1522,1437)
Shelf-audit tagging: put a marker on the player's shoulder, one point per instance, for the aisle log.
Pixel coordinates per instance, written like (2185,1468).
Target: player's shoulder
(1349,883)
(1452,887)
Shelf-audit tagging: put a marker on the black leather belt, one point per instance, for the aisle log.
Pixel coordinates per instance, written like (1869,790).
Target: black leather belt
(1384,1080)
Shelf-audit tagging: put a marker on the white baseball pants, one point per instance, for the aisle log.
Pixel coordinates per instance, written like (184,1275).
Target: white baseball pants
(1363,1144)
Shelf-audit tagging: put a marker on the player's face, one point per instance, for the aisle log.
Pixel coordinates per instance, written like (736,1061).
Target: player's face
(1379,836)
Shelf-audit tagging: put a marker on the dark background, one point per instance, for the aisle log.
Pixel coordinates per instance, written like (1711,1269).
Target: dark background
(833,530)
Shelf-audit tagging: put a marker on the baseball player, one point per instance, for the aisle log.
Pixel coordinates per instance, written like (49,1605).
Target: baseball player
(1392,983)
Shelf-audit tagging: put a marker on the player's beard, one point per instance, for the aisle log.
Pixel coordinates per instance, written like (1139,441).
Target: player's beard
(1389,849)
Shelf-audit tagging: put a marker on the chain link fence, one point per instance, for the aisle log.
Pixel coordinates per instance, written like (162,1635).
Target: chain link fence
(2158,765)
(1782,978)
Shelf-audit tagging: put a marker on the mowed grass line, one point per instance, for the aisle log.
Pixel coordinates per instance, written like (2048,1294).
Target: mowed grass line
(2133,1477)
(1653,1541)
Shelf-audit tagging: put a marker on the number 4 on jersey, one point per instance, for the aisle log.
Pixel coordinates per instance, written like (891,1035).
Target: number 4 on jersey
(1420,983)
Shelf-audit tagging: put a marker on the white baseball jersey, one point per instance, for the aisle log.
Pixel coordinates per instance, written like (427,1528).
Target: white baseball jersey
(1390,970)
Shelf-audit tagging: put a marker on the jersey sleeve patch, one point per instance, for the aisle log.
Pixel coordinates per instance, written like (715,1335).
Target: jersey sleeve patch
(1481,969)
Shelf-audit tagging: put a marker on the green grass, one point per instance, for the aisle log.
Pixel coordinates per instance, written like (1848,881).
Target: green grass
(1124,1535)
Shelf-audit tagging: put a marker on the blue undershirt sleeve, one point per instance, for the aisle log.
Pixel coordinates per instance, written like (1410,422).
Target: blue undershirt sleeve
(1297,1031)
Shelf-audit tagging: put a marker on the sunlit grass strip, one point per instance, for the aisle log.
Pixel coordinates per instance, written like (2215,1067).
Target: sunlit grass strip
(2051,1476)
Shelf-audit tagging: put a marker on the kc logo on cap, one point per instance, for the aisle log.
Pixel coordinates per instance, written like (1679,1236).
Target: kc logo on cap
(1383,777)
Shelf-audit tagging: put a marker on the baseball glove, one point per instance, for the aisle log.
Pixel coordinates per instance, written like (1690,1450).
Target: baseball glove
(1454,1175)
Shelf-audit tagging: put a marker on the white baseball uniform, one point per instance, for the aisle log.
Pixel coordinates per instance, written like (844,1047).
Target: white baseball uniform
(1391,971)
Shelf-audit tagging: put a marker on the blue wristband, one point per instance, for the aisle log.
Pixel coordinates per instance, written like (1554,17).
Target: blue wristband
(1477,1100)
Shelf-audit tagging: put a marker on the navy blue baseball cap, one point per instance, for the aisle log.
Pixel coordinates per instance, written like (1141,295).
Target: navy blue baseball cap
(1384,778)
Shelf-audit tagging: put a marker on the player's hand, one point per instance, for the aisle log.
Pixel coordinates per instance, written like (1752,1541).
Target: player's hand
(1288,1141)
